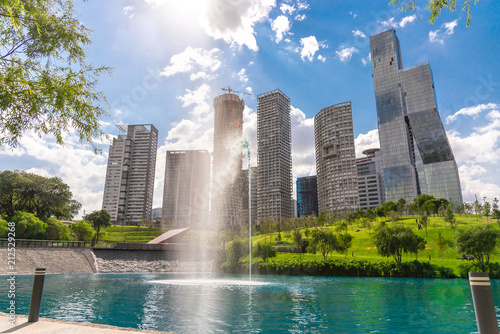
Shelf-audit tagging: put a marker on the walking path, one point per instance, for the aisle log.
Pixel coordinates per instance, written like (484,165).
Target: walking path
(51,326)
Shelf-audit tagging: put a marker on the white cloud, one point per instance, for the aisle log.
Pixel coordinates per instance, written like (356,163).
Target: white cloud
(346,53)
(434,37)
(358,33)
(309,47)
(281,26)
(366,141)
(303,151)
(234,21)
(321,58)
(200,98)
(127,10)
(450,27)
(192,59)
(437,36)
(242,75)
(407,19)
(473,111)
(302,5)
(286,8)
(475,180)
(300,17)
(353,15)
(366,60)
(401,24)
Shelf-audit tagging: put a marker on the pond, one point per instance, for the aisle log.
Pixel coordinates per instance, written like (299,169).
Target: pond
(184,303)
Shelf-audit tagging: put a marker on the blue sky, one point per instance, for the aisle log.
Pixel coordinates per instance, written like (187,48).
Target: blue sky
(171,58)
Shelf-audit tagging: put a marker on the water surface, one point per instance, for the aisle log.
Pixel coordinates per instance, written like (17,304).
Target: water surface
(270,304)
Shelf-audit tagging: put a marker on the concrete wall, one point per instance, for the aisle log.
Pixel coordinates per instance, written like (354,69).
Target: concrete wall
(55,260)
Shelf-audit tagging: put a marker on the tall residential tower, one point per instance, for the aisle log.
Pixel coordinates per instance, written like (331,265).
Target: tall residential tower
(187,188)
(416,154)
(227,181)
(129,185)
(274,156)
(336,159)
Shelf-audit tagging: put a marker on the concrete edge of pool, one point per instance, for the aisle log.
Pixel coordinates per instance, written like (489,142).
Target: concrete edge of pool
(52,326)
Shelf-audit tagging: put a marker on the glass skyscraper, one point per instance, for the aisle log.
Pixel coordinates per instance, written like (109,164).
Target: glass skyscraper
(307,196)
(416,153)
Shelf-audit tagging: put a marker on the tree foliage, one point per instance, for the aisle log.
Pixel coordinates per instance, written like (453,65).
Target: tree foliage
(56,230)
(82,231)
(394,241)
(479,241)
(441,243)
(28,226)
(297,239)
(98,219)
(435,7)
(264,250)
(46,86)
(323,240)
(42,196)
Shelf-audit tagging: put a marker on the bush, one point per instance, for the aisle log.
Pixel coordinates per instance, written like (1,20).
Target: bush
(264,250)
(82,231)
(56,230)
(28,226)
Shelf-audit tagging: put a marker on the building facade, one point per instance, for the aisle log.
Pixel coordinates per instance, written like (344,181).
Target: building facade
(370,179)
(307,196)
(227,182)
(416,153)
(129,185)
(337,177)
(186,190)
(274,156)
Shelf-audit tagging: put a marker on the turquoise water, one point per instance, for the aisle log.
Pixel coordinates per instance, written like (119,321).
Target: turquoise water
(275,304)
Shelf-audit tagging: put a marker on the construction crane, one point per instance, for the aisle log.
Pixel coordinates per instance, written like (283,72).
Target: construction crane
(229,90)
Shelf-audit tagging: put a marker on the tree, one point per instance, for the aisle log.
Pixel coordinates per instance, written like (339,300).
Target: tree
(98,219)
(496,212)
(46,86)
(56,230)
(28,226)
(323,240)
(424,220)
(235,250)
(394,241)
(479,241)
(82,231)
(264,250)
(435,7)
(401,204)
(441,244)
(449,217)
(487,210)
(297,239)
(393,216)
(344,242)
(42,196)
(477,208)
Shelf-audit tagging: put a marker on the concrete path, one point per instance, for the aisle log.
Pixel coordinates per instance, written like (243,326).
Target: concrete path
(50,326)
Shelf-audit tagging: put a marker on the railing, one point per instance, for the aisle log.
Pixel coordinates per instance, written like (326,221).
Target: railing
(28,243)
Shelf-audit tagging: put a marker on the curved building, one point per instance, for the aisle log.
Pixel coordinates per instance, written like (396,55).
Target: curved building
(227,181)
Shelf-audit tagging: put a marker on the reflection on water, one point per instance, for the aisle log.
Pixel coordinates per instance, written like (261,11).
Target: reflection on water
(267,304)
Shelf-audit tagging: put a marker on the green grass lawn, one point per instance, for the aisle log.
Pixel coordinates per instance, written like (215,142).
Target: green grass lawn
(118,233)
(364,249)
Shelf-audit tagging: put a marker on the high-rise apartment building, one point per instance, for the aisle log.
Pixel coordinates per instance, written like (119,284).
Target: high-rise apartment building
(370,179)
(307,196)
(274,156)
(227,182)
(336,159)
(416,153)
(186,188)
(129,185)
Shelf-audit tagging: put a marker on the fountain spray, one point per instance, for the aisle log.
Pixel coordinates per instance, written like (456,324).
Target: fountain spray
(247,146)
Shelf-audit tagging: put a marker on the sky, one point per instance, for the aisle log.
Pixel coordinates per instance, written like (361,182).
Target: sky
(170,58)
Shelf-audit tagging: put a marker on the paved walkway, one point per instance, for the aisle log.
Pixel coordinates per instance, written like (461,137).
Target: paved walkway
(50,326)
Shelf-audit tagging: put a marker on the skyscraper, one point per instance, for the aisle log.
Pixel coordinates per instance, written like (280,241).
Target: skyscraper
(274,156)
(307,195)
(336,159)
(187,188)
(370,179)
(129,185)
(416,154)
(227,188)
